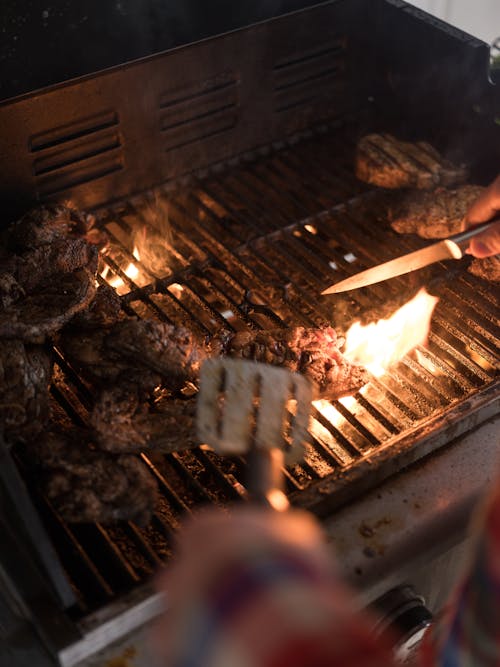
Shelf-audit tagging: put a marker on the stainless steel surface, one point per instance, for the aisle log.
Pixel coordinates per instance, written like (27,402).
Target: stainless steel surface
(395,533)
(403,618)
(451,248)
(111,625)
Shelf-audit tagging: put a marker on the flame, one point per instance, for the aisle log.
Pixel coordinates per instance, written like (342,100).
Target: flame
(152,249)
(176,289)
(380,344)
(153,242)
(131,271)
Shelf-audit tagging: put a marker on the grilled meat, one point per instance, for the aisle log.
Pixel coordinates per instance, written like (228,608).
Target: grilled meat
(46,224)
(10,290)
(88,353)
(47,308)
(43,311)
(104,310)
(25,374)
(312,352)
(436,214)
(390,163)
(36,266)
(168,350)
(142,351)
(86,485)
(487,268)
(122,423)
(52,275)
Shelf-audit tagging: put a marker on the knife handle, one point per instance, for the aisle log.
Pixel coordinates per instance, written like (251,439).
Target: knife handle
(462,239)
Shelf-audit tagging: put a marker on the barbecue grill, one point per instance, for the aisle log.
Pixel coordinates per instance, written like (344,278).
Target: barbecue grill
(244,144)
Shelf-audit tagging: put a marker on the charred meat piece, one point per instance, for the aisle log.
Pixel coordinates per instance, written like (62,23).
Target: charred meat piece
(45,310)
(25,374)
(487,268)
(104,310)
(123,423)
(88,353)
(436,214)
(171,351)
(141,351)
(36,266)
(46,224)
(312,352)
(388,162)
(85,485)
(10,290)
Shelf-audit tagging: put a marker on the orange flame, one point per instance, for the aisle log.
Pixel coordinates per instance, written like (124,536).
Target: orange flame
(153,243)
(152,249)
(131,271)
(380,344)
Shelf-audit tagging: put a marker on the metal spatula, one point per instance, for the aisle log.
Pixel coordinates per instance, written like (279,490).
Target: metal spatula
(245,407)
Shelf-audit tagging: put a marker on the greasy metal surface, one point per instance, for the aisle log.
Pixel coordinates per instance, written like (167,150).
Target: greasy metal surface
(393,534)
(131,127)
(253,247)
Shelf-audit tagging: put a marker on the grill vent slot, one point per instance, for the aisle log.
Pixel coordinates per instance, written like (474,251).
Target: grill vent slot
(302,79)
(78,153)
(199,112)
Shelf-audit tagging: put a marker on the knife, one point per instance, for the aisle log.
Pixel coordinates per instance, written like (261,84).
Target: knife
(451,248)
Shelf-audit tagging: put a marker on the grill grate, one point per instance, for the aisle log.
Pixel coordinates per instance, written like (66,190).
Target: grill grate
(252,246)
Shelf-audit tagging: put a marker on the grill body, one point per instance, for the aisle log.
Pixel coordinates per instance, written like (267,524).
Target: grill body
(245,142)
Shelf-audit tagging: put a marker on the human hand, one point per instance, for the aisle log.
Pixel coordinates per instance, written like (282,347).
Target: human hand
(213,539)
(213,549)
(485,208)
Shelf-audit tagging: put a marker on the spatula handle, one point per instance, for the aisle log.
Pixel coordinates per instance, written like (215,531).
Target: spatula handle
(265,478)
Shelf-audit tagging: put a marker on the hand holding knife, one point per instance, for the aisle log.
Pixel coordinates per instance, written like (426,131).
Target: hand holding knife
(452,248)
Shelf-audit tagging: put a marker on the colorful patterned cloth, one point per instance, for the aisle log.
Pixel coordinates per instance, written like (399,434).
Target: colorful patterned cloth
(277,607)
(468,633)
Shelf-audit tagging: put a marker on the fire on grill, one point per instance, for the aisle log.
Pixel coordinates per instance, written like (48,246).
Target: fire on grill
(225,200)
(142,373)
(135,367)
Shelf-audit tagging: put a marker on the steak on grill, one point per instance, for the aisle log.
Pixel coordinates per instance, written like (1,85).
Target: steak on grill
(46,224)
(383,160)
(141,351)
(487,268)
(436,214)
(44,310)
(34,267)
(86,485)
(124,423)
(311,352)
(47,272)
(171,351)
(104,310)
(25,375)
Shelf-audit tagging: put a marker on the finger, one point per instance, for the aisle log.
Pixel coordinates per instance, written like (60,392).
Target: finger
(486,206)
(487,243)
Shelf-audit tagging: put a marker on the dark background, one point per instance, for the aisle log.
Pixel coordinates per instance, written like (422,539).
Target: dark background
(46,42)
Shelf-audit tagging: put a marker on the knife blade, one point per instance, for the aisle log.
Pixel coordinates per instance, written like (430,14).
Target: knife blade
(451,248)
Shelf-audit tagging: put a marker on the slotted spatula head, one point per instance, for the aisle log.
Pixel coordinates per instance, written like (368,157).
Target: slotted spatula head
(246,405)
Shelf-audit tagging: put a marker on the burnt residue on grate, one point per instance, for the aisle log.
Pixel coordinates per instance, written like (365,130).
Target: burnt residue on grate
(251,247)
